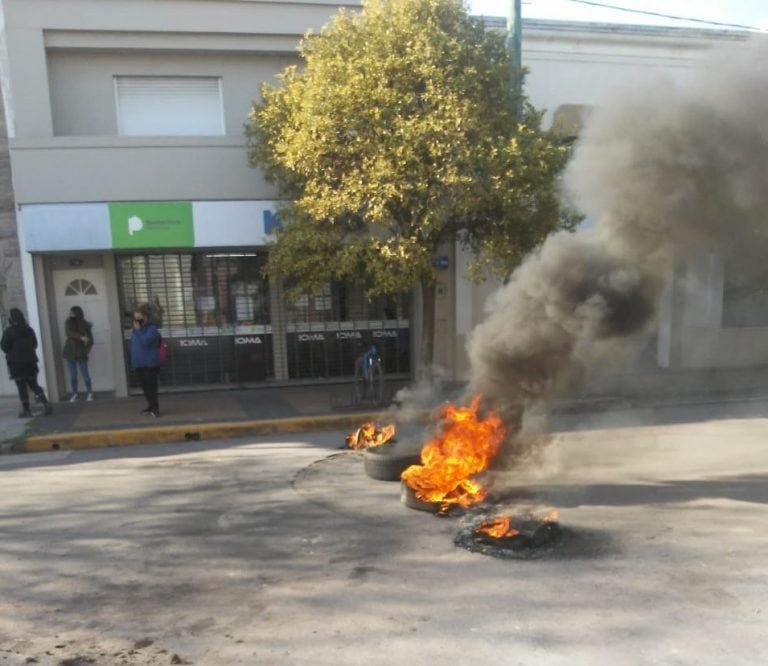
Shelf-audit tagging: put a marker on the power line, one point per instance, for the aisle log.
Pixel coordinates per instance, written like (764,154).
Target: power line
(669,16)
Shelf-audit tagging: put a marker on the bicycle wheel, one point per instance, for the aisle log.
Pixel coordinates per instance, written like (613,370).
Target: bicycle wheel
(358,387)
(376,383)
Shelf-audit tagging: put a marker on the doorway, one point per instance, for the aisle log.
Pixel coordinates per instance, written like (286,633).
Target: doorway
(86,287)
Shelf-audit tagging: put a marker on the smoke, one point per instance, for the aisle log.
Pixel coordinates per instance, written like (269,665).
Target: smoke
(667,170)
(411,402)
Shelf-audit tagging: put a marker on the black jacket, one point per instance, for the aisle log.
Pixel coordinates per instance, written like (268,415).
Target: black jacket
(19,344)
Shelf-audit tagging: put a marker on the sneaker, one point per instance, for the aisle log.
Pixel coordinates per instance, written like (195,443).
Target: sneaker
(73,397)
(89,397)
(154,412)
(25,414)
(146,410)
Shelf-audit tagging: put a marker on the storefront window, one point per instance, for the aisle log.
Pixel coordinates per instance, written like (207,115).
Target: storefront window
(328,330)
(213,310)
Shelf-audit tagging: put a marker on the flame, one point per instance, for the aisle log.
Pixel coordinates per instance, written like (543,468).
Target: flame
(551,517)
(368,435)
(501,526)
(466,447)
(497,527)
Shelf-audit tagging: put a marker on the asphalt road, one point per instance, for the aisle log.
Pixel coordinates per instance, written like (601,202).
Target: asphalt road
(282,551)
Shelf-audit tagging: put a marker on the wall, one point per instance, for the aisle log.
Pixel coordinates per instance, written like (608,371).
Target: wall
(11,286)
(83,93)
(62,55)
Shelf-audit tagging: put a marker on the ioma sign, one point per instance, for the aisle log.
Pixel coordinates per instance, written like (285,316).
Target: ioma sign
(152,224)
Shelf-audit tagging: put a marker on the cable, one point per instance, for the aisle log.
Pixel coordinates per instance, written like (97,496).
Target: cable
(669,16)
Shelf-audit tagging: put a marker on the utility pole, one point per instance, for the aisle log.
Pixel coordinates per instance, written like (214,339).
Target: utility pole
(515,46)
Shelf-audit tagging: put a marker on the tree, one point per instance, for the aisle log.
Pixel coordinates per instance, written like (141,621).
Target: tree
(396,138)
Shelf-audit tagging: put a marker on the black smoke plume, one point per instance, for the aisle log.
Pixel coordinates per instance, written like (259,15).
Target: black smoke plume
(668,170)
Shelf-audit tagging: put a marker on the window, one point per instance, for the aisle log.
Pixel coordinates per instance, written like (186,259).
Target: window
(169,106)
(214,311)
(79,288)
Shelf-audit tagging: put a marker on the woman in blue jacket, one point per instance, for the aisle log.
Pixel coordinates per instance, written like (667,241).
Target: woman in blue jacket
(145,357)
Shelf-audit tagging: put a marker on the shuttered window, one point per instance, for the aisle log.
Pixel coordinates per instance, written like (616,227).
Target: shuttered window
(169,106)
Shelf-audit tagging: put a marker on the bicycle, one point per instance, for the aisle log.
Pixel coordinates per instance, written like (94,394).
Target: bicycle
(369,377)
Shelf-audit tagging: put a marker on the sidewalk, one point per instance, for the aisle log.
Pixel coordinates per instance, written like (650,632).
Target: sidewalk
(109,421)
(12,428)
(218,414)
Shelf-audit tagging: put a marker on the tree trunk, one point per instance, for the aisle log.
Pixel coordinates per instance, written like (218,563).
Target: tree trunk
(428,293)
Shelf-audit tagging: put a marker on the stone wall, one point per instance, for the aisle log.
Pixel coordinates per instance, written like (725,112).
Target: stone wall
(11,286)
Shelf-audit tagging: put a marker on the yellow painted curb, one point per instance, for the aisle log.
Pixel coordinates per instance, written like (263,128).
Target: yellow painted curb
(91,439)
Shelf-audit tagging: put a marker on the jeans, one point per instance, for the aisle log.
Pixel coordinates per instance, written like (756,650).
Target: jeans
(73,367)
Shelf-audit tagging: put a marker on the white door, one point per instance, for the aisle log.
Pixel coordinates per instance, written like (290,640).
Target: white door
(86,287)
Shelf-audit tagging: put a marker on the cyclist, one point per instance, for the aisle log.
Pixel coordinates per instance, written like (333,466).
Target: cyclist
(366,361)
(368,374)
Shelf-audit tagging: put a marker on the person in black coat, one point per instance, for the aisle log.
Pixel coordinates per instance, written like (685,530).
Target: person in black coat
(19,343)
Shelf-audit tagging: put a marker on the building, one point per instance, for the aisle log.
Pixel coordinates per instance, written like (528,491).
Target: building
(131,183)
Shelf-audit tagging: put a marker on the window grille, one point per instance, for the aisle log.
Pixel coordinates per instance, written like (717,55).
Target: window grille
(78,287)
(213,310)
(326,332)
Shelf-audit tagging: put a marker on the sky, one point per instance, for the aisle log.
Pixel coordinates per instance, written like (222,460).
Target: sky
(753,13)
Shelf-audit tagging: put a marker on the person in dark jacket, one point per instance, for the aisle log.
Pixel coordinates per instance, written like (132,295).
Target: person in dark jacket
(77,346)
(145,357)
(19,343)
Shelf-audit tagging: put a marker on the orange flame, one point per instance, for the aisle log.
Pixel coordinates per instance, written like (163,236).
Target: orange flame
(497,527)
(466,447)
(369,435)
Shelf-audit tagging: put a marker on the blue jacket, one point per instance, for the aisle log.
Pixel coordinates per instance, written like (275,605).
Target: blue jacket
(144,347)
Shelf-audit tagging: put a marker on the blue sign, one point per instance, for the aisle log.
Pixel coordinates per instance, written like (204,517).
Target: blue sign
(271,222)
(441,263)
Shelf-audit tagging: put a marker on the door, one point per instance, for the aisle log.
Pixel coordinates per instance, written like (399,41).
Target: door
(86,287)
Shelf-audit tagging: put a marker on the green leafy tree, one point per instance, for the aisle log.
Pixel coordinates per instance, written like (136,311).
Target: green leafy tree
(397,138)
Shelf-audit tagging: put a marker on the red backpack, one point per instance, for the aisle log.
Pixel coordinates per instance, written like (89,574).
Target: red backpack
(162,349)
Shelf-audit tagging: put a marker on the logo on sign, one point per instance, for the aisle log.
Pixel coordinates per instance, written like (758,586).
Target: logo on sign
(349,335)
(135,224)
(248,340)
(384,334)
(193,342)
(271,222)
(311,337)
(152,224)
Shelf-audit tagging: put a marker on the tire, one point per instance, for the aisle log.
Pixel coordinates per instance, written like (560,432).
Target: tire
(408,498)
(387,462)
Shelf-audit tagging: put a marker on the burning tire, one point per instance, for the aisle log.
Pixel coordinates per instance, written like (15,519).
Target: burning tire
(409,499)
(523,537)
(388,462)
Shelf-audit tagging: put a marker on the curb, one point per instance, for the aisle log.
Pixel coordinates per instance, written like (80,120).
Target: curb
(93,439)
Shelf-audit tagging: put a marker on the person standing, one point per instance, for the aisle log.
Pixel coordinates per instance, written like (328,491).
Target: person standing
(19,343)
(145,357)
(79,340)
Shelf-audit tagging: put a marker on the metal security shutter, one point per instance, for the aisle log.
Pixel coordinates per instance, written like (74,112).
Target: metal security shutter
(213,309)
(169,106)
(326,332)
